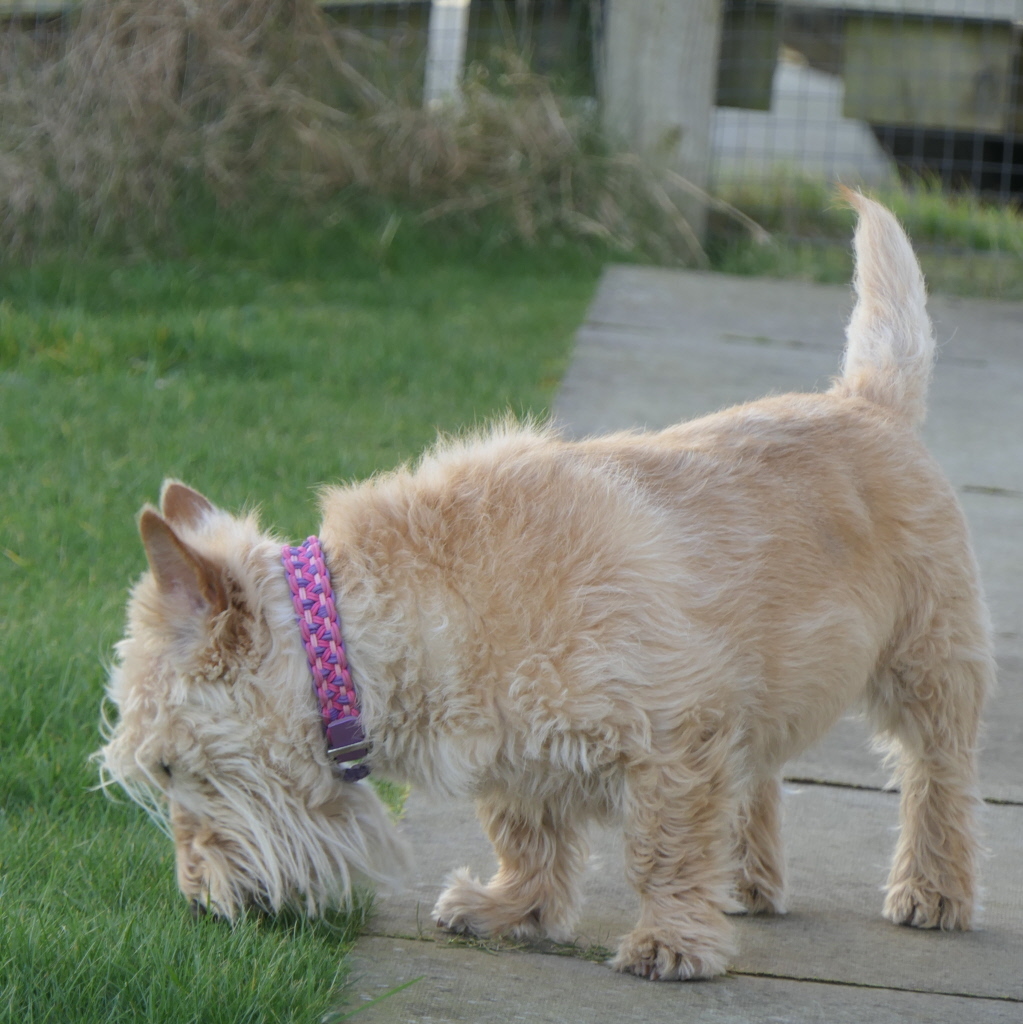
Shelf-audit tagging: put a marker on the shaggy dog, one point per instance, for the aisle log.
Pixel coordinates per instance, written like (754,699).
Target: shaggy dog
(639,629)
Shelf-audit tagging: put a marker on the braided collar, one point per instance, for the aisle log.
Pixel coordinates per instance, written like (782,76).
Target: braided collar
(320,626)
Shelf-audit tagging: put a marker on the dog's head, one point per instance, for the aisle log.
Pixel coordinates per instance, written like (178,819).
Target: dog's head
(217,731)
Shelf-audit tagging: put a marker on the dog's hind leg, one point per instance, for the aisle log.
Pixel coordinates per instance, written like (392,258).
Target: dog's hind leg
(541,853)
(928,703)
(678,857)
(760,880)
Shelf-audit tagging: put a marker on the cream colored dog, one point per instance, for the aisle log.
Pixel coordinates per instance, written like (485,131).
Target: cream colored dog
(639,629)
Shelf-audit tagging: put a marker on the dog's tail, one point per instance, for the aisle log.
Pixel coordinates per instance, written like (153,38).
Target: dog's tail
(889,341)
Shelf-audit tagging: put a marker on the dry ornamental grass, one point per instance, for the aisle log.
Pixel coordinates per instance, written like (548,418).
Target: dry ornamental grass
(111,125)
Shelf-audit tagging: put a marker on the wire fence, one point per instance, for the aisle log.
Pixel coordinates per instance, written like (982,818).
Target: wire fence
(853,90)
(557,37)
(873,89)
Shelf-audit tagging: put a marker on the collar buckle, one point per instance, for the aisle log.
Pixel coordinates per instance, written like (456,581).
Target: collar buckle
(346,742)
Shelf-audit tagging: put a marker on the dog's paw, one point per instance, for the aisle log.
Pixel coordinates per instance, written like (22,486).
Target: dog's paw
(461,907)
(649,955)
(919,905)
(468,907)
(751,898)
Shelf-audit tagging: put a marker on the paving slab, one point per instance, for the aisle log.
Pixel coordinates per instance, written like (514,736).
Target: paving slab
(660,346)
(472,986)
(838,843)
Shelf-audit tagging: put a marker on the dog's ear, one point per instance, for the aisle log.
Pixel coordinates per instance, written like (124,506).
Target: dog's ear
(181,573)
(182,505)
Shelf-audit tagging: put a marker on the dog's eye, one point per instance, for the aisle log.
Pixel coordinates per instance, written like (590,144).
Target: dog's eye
(166,769)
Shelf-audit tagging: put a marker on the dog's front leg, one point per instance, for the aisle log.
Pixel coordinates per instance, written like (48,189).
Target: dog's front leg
(678,856)
(541,852)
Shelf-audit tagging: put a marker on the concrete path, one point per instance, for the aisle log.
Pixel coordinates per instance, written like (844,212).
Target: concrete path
(659,346)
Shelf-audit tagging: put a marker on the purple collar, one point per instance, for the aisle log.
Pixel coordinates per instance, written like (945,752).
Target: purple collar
(318,621)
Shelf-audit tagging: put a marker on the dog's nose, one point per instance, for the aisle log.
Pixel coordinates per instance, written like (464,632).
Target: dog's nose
(198,909)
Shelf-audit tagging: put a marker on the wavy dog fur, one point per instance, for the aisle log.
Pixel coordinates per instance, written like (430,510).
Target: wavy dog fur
(640,628)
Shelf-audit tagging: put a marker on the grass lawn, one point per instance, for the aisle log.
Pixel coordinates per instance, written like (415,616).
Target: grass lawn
(255,374)
(966,246)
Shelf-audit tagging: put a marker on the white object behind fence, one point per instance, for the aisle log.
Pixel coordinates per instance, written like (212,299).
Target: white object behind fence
(445,56)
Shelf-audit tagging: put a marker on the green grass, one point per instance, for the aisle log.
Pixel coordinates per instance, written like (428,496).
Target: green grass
(255,368)
(966,246)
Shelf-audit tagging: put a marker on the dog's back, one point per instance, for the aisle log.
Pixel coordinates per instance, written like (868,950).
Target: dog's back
(816,529)
(761,558)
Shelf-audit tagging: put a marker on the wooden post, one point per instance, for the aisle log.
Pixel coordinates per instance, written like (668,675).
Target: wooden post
(659,82)
(445,56)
